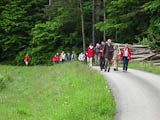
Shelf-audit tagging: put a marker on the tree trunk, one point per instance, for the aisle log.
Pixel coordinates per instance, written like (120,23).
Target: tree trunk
(93,22)
(104,34)
(50,2)
(83,33)
(98,8)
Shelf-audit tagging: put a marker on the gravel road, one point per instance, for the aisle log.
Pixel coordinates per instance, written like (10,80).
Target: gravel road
(137,94)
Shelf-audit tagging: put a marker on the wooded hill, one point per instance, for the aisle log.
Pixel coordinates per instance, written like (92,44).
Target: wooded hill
(43,27)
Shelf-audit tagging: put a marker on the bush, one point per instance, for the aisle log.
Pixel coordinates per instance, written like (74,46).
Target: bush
(5,80)
(150,40)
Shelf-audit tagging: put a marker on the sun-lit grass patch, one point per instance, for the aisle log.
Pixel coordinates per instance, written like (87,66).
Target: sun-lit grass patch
(62,92)
(149,67)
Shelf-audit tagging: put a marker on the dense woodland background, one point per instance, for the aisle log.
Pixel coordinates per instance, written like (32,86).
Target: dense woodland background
(43,27)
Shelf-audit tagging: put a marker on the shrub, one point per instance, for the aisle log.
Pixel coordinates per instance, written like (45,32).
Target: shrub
(5,80)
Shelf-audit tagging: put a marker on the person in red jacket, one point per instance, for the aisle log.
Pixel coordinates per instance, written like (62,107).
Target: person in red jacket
(90,54)
(125,56)
(54,59)
(57,58)
(26,60)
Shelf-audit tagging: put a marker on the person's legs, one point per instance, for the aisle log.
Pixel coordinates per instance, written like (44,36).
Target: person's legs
(87,60)
(95,58)
(117,64)
(106,64)
(101,63)
(26,63)
(98,60)
(127,64)
(114,66)
(91,62)
(124,63)
(109,64)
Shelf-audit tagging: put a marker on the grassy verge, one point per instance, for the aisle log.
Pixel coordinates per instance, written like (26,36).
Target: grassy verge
(145,67)
(62,92)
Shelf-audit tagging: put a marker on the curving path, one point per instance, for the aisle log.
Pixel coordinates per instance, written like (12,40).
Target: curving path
(137,94)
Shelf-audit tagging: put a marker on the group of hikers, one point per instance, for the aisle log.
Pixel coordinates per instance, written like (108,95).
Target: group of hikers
(104,55)
(64,57)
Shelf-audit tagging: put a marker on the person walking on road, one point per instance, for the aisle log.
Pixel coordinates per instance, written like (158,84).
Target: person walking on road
(108,54)
(102,60)
(96,51)
(116,57)
(90,54)
(125,56)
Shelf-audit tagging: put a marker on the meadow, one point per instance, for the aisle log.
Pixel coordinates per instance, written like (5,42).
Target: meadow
(68,91)
(148,67)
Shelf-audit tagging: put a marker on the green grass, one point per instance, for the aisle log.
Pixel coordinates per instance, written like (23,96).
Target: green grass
(149,67)
(62,92)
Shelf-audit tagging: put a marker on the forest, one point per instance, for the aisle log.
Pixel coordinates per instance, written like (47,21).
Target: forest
(42,28)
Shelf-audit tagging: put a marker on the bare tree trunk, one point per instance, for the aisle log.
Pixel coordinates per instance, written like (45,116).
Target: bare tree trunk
(104,34)
(93,22)
(82,20)
(98,7)
(50,2)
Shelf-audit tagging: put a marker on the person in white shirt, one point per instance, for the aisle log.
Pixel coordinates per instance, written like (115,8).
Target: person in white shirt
(81,57)
(125,57)
(63,56)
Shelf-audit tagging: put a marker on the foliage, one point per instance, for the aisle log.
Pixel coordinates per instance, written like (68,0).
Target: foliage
(42,92)
(127,20)
(46,37)
(42,30)
(152,40)
(16,24)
